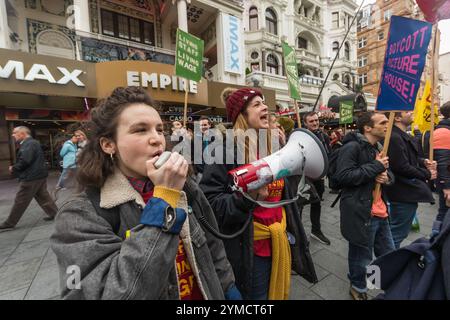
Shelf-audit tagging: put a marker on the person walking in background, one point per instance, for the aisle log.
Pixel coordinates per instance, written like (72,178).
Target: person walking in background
(82,141)
(311,120)
(32,173)
(411,175)
(69,154)
(441,150)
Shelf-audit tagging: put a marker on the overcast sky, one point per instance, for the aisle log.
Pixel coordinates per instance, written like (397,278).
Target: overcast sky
(444,26)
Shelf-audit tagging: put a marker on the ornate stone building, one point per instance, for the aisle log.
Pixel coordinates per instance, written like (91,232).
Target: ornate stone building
(315,28)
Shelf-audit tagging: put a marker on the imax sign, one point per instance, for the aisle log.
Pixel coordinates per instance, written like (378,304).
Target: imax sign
(40,72)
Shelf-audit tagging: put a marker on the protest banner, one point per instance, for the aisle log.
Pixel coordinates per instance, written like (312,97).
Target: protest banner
(346,112)
(406,53)
(290,65)
(404,61)
(188,61)
(435,10)
(422,111)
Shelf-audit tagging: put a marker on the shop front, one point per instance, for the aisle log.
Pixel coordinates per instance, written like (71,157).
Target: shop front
(52,95)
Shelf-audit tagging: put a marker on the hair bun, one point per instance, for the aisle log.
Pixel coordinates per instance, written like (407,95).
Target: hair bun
(226,93)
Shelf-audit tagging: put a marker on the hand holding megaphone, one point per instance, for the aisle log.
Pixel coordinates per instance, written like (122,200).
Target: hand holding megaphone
(168,170)
(303,154)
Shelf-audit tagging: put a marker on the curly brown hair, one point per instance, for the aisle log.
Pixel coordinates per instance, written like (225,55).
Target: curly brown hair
(94,165)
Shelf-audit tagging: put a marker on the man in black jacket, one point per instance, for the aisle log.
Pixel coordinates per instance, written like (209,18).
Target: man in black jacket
(411,175)
(311,120)
(364,220)
(32,173)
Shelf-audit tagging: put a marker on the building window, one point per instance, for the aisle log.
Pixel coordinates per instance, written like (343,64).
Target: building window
(362,42)
(122,24)
(335,20)
(255,66)
(271,21)
(302,43)
(135,32)
(387,15)
(254,55)
(306,12)
(347,51)
(347,81)
(335,48)
(362,62)
(149,33)
(272,64)
(253,19)
(124,27)
(107,23)
(362,79)
(380,35)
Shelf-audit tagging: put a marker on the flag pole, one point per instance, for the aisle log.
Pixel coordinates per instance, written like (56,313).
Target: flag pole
(436,45)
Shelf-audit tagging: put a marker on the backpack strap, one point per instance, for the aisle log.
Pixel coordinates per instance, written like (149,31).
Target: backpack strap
(111,215)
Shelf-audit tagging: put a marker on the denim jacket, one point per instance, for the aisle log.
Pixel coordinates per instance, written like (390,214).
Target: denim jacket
(141,266)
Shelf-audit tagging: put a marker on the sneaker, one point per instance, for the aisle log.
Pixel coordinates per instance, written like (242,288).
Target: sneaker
(319,236)
(356,295)
(5,227)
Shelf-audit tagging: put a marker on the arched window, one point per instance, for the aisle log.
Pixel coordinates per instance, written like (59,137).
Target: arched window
(253,18)
(272,64)
(335,48)
(271,21)
(302,43)
(347,81)
(347,51)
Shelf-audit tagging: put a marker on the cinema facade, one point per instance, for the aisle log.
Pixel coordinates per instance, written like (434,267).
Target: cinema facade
(48,94)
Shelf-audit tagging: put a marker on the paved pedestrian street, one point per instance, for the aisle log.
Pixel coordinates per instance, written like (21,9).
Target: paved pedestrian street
(28,267)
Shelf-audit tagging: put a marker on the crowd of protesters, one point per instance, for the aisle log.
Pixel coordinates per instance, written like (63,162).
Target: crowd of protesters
(138,230)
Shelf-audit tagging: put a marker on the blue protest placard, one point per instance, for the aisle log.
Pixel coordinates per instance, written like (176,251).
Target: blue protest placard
(406,53)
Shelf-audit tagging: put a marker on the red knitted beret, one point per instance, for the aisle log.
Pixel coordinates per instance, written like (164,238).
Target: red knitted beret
(238,100)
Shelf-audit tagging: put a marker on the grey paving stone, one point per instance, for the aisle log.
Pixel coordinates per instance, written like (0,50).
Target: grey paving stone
(45,285)
(321,274)
(29,250)
(39,233)
(300,292)
(49,259)
(14,295)
(18,276)
(332,288)
(332,263)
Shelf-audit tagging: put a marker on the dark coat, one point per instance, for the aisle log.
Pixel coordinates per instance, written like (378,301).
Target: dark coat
(356,171)
(30,164)
(232,210)
(410,174)
(442,157)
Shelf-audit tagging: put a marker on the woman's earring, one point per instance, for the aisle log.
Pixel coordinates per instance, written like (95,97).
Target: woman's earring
(112,156)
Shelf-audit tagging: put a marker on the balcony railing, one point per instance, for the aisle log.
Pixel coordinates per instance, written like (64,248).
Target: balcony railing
(308,84)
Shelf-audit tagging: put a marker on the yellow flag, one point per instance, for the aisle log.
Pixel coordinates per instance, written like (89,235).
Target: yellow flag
(422,111)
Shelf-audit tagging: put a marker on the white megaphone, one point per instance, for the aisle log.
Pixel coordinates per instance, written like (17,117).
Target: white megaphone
(303,155)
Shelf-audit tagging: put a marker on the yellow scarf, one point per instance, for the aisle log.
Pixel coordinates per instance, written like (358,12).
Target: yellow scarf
(280,277)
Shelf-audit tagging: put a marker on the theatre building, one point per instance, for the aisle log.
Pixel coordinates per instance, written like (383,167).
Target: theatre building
(48,94)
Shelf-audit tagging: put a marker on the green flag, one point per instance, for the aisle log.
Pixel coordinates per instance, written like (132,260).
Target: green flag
(189,56)
(290,65)
(346,112)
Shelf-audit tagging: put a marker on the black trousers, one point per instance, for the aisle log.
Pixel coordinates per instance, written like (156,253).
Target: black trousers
(316,206)
(28,190)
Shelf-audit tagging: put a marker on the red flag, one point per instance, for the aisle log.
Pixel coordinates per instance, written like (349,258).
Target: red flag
(435,10)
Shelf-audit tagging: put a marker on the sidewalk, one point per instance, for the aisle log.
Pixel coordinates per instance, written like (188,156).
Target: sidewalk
(28,267)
